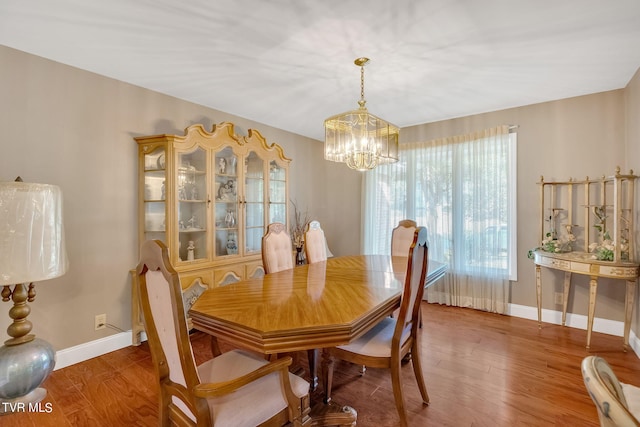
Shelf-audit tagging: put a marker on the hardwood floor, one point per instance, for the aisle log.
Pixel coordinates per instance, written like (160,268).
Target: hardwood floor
(481,369)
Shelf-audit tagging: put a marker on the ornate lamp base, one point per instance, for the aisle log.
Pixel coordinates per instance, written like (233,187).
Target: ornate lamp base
(25,361)
(24,367)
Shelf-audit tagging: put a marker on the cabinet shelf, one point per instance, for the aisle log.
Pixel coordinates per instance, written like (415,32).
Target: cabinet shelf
(184,171)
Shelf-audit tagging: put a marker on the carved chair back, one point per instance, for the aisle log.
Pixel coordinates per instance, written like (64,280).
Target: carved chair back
(277,252)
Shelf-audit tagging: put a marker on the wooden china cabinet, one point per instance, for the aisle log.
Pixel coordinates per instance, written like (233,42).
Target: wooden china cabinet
(209,197)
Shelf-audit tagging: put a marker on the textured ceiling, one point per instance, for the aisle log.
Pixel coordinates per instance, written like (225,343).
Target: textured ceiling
(289,63)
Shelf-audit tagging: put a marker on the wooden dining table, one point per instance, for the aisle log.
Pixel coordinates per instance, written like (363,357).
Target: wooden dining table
(309,307)
(313,306)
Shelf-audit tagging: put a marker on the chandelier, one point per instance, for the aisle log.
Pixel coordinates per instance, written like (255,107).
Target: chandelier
(358,138)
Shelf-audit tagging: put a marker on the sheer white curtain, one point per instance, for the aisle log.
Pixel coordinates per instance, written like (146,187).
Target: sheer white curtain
(458,188)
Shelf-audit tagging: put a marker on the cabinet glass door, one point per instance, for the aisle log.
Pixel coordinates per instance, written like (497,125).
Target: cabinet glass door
(277,193)
(192,205)
(154,195)
(226,202)
(254,202)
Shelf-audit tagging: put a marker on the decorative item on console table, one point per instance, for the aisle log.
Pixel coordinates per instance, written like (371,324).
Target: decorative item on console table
(607,205)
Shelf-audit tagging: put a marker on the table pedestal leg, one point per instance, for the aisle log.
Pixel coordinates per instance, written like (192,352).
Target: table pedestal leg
(312,356)
(327,374)
(215,347)
(593,289)
(328,412)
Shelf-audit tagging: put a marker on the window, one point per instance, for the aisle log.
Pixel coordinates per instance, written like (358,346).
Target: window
(462,189)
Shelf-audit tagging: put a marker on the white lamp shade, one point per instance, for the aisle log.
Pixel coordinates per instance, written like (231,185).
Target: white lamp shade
(31,233)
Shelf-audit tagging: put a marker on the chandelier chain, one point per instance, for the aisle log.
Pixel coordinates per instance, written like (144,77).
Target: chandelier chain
(362,83)
(361,62)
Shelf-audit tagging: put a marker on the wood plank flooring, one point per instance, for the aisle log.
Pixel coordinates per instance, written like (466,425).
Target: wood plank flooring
(481,369)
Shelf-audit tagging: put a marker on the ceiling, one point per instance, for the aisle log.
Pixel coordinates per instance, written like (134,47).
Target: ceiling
(289,63)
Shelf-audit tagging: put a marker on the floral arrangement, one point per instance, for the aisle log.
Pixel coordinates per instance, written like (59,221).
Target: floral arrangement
(555,245)
(551,243)
(298,226)
(605,250)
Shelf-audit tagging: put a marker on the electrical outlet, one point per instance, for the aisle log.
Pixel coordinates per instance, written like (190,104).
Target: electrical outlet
(558,298)
(101,321)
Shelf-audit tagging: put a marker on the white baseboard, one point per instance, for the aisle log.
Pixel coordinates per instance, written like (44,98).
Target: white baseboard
(89,350)
(79,353)
(578,321)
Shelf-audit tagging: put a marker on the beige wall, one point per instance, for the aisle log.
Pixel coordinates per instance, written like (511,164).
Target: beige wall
(576,137)
(68,127)
(632,128)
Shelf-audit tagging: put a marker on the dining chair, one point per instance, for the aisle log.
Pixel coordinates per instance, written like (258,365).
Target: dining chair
(220,391)
(277,254)
(385,345)
(402,237)
(315,244)
(618,404)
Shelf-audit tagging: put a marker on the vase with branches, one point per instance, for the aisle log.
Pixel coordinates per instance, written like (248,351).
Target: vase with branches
(298,226)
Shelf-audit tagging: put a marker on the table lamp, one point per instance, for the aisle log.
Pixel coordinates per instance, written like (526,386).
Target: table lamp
(31,249)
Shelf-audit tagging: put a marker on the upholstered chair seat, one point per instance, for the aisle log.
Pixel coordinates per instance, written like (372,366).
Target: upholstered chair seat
(632,396)
(377,341)
(618,404)
(232,409)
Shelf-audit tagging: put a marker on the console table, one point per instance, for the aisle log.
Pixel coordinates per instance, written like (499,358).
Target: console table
(583,263)
(599,242)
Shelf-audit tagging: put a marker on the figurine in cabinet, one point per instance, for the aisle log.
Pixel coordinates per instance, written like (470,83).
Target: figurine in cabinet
(191,251)
(227,191)
(222,166)
(232,245)
(192,222)
(230,219)
(182,193)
